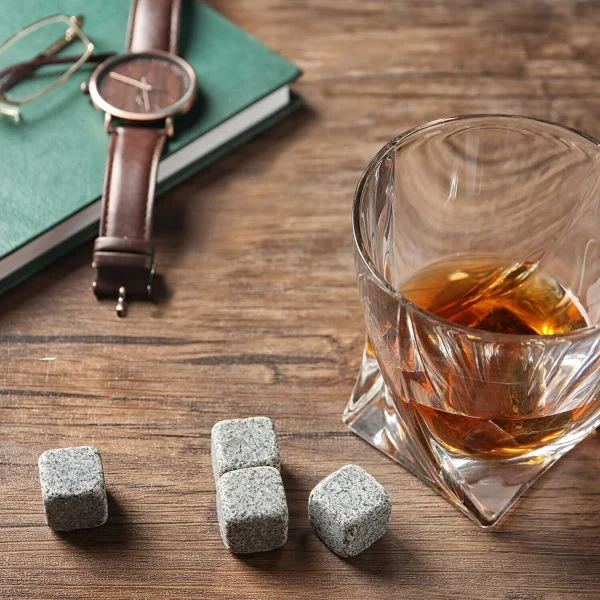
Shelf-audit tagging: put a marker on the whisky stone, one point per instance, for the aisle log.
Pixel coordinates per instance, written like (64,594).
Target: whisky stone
(349,510)
(252,510)
(73,490)
(242,443)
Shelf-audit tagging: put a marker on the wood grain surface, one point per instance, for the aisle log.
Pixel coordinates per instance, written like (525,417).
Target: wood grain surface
(262,316)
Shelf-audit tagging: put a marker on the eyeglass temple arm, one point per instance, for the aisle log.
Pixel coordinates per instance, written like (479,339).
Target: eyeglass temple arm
(20,71)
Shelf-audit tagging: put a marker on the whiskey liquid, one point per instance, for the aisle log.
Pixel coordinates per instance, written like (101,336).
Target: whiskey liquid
(492,295)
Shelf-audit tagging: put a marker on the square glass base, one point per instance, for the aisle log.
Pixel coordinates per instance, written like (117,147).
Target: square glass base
(483,490)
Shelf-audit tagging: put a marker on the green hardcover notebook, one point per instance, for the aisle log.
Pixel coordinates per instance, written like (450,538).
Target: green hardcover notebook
(52,163)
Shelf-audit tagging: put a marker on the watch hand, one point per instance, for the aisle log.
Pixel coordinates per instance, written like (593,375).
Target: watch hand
(130,81)
(145,95)
(153,88)
(146,100)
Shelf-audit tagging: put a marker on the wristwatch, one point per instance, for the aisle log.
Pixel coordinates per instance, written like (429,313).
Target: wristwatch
(140,92)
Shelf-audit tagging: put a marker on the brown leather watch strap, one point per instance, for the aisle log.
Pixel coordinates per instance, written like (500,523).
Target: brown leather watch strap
(154,25)
(123,255)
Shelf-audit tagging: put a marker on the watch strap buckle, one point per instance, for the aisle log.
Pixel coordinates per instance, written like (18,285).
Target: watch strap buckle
(124,269)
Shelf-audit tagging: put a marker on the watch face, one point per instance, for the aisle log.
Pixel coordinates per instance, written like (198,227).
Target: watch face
(143,86)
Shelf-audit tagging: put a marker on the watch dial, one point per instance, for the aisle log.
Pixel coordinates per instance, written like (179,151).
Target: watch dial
(144,83)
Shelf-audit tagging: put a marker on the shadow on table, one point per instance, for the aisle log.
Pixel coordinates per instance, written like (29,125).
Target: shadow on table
(173,222)
(388,560)
(115,534)
(174,227)
(297,535)
(546,524)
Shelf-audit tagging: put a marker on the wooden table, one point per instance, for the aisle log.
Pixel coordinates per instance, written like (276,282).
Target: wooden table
(263,317)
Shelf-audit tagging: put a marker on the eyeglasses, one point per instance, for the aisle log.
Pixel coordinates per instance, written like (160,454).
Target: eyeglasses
(23,55)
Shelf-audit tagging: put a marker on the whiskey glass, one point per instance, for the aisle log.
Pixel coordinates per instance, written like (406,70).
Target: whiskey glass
(477,249)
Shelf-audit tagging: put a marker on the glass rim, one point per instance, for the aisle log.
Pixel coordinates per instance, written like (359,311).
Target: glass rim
(483,335)
(28,29)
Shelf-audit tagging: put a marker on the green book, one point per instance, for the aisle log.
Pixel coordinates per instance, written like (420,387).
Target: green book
(52,163)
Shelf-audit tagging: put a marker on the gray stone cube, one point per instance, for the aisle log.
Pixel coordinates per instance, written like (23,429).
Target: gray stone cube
(73,489)
(349,510)
(252,510)
(243,443)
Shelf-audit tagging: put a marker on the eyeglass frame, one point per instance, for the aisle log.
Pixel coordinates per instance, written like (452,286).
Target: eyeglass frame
(9,106)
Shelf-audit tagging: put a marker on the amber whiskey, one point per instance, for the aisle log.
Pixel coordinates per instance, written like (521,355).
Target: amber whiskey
(509,298)
(494,295)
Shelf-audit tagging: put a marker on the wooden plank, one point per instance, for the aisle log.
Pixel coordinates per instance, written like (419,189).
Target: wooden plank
(262,317)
